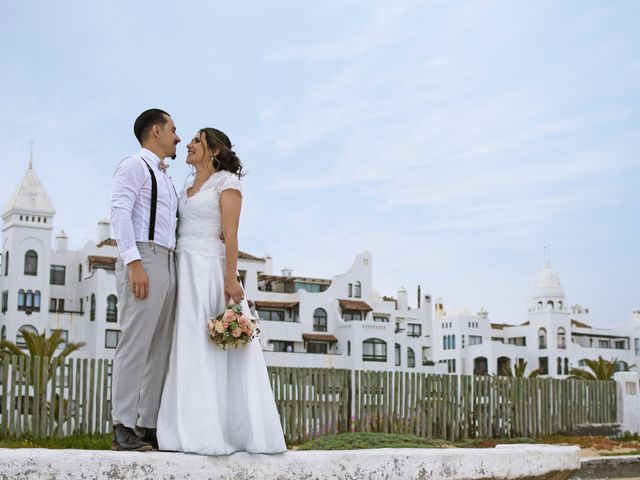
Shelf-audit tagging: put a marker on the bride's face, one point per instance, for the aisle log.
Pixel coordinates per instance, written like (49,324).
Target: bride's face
(197,151)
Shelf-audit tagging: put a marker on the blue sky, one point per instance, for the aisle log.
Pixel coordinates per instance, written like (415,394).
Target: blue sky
(453,140)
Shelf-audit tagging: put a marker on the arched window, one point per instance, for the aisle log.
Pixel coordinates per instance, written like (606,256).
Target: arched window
(6,263)
(411,358)
(374,350)
(92,310)
(397,354)
(561,338)
(31,263)
(36,300)
(539,305)
(542,338)
(112,308)
(320,320)
(566,366)
(20,299)
(550,304)
(20,337)
(357,290)
(559,370)
(560,305)
(29,299)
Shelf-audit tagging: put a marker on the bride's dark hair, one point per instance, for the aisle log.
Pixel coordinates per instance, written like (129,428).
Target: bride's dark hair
(226,159)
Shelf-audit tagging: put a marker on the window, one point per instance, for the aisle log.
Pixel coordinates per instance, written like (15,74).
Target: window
(425,356)
(64,337)
(350,316)
(411,358)
(317,347)
(566,366)
(111,338)
(451,365)
(381,318)
(350,290)
(79,272)
(414,329)
(20,299)
(453,341)
(637,345)
(603,343)
(20,337)
(6,263)
(5,301)
(273,315)
(562,343)
(348,347)
(374,350)
(398,355)
(36,300)
(620,344)
(56,305)
(3,334)
(550,304)
(357,290)
(542,339)
(559,369)
(282,346)
(320,320)
(81,305)
(112,308)
(31,263)
(29,299)
(539,305)
(543,365)
(475,340)
(92,311)
(57,274)
(520,341)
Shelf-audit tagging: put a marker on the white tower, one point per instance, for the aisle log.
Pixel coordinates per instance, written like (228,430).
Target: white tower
(26,248)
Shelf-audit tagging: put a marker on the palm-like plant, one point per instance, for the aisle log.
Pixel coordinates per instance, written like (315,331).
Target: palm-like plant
(41,346)
(599,369)
(518,371)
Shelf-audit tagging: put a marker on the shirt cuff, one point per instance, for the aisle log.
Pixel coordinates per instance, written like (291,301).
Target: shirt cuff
(130,255)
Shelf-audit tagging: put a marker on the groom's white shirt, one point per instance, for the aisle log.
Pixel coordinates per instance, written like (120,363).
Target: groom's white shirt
(131,204)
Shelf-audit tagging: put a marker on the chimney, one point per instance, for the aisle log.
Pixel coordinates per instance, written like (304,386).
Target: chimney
(268,264)
(103,232)
(62,242)
(403,299)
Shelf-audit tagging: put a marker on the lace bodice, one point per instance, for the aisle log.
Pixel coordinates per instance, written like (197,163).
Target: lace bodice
(199,218)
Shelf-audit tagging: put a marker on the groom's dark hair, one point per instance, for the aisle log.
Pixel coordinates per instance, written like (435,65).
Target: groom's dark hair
(146,120)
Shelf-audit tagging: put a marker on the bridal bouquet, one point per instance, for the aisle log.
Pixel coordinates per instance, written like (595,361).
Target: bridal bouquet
(232,327)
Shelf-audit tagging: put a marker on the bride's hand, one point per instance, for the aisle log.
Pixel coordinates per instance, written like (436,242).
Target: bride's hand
(233,290)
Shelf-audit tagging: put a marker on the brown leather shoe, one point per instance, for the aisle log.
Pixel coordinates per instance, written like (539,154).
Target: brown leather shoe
(125,439)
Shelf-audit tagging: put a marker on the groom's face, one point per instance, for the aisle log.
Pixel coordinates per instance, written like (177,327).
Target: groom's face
(168,138)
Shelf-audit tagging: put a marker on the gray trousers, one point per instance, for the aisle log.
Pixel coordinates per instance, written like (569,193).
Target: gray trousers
(142,356)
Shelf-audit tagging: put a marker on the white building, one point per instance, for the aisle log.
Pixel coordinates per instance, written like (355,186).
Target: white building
(341,322)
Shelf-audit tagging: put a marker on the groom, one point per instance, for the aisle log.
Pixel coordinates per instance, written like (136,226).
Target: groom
(144,205)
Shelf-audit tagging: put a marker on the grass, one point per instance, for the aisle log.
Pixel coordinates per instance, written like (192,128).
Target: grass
(80,442)
(354,441)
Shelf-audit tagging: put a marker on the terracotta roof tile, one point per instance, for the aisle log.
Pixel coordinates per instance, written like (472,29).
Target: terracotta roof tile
(267,304)
(322,337)
(355,305)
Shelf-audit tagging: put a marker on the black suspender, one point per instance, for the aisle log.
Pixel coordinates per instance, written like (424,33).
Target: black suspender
(154,202)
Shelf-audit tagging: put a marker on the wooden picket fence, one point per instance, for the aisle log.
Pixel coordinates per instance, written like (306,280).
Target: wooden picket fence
(58,398)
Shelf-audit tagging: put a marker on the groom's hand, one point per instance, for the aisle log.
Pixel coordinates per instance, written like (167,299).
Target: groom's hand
(138,280)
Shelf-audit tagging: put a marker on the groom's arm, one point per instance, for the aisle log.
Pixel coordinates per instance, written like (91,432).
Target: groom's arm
(128,179)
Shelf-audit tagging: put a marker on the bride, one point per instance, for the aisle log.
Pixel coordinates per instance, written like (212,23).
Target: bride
(215,401)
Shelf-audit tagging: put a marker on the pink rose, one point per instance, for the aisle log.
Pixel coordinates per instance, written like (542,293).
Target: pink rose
(236,332)
(229,316)
(243,320)
(226,325)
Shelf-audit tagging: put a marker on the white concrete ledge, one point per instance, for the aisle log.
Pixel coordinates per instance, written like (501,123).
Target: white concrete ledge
(504,462)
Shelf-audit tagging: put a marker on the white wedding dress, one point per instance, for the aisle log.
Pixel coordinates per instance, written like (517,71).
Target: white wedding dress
(214,402)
